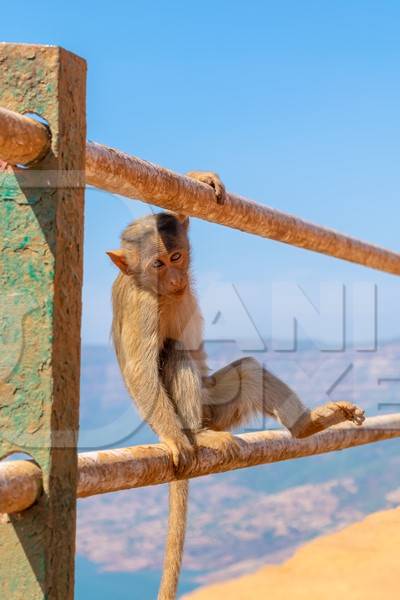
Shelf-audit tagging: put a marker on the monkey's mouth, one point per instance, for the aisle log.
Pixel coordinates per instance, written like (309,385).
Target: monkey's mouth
(180,292)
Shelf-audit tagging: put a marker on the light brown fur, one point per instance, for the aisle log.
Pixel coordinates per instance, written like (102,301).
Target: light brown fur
(158,337)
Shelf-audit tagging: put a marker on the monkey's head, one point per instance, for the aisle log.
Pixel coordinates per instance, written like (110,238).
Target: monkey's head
(155,251)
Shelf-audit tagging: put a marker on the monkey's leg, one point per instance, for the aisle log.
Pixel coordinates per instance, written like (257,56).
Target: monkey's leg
(244,388)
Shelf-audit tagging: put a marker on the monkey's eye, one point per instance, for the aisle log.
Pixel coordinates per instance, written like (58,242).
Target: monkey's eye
(157,264)
(176,256)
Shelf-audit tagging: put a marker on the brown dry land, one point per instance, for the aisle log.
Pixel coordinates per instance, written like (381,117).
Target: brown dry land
(360,562)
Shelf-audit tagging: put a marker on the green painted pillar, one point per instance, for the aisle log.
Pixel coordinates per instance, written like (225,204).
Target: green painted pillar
(41,250)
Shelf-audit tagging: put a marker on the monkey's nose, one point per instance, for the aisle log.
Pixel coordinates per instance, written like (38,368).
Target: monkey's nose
(177,282)
(178,285)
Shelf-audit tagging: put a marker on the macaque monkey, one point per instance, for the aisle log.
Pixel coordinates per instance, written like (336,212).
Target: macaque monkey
(157,333)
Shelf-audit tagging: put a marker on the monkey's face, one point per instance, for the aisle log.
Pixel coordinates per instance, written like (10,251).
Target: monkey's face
(166,273)
(164,256)
(156,253)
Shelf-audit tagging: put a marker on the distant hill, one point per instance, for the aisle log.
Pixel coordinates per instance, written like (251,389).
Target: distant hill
(360,562)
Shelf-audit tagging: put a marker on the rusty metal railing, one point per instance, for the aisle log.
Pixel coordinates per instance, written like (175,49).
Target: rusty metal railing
(114,171)
(138,466)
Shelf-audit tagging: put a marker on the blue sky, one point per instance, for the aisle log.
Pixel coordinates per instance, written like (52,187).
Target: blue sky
(294,104)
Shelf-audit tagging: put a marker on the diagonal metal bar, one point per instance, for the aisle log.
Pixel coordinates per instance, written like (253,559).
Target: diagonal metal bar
(117,172)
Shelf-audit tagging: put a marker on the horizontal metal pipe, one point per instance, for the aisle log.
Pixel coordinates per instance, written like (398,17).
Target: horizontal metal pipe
(114,171)
(139,466)
(22,139)
(20,485)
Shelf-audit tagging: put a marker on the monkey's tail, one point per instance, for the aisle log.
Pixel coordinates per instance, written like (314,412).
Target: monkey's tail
(178,503)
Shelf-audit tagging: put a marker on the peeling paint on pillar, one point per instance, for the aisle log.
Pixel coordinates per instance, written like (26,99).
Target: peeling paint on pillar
(41,248)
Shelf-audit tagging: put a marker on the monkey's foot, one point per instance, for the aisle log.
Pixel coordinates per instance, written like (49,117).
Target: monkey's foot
(325,416)
(181,450)
(219,440)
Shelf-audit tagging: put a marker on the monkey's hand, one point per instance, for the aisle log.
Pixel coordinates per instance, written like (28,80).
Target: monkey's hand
(219,440)
(182,451)
(211,179)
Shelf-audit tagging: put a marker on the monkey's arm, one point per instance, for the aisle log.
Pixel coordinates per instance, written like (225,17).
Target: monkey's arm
(141,374)
(181,376)
(211,179)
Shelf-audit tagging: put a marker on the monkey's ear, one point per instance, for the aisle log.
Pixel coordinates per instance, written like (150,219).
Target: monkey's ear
(119,259)
(183,219)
